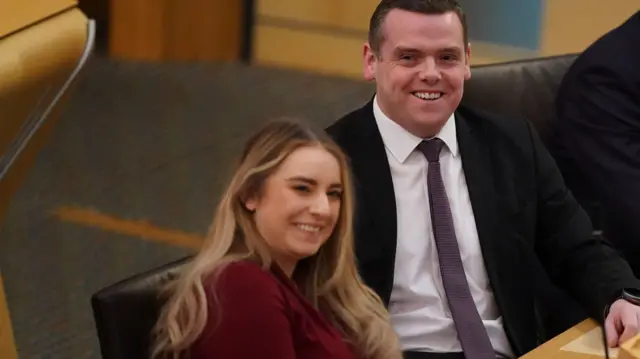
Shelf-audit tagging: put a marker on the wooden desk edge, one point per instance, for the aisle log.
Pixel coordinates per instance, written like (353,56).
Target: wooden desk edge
(630,349)
(553,348)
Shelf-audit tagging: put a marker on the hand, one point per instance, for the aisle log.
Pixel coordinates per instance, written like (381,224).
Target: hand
(622,323)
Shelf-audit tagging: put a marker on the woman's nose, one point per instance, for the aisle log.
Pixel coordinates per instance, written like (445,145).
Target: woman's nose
(320,205)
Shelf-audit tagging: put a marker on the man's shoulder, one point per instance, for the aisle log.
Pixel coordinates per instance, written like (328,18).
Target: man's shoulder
(350,124)
(513,138)
(495,124)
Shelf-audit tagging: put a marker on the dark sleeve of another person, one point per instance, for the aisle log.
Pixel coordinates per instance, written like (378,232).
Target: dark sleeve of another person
(584,265)
(601,112)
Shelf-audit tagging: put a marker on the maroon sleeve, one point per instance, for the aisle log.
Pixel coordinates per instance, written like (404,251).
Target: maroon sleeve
(252,322)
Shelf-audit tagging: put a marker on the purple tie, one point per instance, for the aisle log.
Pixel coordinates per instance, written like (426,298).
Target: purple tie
(471,331)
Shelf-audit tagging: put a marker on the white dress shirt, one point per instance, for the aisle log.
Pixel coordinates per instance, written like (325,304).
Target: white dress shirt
(419,309)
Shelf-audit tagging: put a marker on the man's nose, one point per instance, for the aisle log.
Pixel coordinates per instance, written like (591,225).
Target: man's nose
(429,70)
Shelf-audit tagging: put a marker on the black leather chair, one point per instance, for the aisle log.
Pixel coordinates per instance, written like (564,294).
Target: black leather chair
(125,312)
(525,89)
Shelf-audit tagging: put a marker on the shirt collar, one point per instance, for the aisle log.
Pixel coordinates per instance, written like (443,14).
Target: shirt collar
(401,142)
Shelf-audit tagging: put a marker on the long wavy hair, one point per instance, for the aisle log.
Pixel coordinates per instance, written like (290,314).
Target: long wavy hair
(329,279)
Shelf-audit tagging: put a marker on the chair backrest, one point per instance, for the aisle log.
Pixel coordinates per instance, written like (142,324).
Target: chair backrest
(126,312)
(524,88)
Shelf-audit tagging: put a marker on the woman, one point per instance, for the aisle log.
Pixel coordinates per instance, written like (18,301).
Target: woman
(276,277)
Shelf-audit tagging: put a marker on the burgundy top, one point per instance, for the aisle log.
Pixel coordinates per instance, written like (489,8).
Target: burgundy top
(264,315)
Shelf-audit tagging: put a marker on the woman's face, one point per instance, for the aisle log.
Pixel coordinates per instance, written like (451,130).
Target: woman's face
(299,205)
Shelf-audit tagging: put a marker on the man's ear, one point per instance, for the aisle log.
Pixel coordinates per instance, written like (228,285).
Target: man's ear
(369,63)
(467,63)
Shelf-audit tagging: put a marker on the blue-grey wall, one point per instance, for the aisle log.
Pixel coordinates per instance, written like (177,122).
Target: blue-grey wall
(506,22)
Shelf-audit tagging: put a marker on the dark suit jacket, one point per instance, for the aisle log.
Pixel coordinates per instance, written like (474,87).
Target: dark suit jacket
(262,314)
(522,209)
(597,141)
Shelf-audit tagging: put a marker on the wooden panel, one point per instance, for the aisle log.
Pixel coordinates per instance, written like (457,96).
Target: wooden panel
(351,14)
(16,14)
(572,25)
(333,54)
(26,79)
(159,30)
(328,36)
(136,29)
(308,51)
(204,30)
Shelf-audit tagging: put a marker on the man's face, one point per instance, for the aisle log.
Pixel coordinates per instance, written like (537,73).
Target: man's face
(420,69)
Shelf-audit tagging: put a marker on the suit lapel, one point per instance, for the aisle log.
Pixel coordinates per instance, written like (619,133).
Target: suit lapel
(370,164)
(476,152)
(501,251)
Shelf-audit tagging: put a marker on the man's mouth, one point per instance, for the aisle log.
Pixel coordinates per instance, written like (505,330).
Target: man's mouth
(427,96)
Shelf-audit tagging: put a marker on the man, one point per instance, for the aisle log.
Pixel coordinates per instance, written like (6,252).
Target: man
(447,230)
(597,144)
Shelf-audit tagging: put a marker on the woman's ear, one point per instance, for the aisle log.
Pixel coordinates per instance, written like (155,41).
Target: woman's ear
(251,204)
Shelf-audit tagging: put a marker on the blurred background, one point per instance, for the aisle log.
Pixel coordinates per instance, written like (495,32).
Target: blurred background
(327,36)
(124,173)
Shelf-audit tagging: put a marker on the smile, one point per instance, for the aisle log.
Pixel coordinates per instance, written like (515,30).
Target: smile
(309,228)
(427,96)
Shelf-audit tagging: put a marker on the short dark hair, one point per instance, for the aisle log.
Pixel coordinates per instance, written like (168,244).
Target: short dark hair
(428,7)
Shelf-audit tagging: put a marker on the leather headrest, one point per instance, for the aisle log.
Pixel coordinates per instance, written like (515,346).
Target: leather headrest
(524,88)
(126,312)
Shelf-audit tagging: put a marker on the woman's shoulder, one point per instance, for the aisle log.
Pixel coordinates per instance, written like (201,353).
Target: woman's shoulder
(243,279)
(245,268)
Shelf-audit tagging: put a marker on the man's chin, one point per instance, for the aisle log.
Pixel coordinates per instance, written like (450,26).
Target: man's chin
(428,125)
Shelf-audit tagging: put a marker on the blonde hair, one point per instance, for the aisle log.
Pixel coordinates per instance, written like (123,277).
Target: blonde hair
(329,279)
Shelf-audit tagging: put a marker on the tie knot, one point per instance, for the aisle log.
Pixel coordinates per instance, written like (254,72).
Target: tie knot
(431,149)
